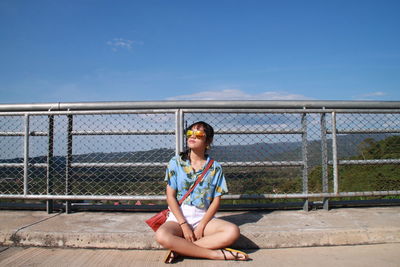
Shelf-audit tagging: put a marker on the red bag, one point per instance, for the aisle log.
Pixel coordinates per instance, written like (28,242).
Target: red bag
(157,220)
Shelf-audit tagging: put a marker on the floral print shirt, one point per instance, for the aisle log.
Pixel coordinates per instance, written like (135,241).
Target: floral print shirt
(180,176)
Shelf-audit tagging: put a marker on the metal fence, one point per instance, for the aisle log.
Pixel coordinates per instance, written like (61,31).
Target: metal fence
(268,149)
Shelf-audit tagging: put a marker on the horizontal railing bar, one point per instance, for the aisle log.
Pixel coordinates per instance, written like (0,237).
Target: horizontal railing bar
(242,196)
(201,104)
(295,111)
(82,197)
(159,164)
(153,132)
(122,132)
(262,163)
(228,164)
(360,111)
(315,195)
(236,111)
(118,165)
(12,133)
(367,162)
(23,134)
(39,165)
(260,132)
(21,165)
(169,111)
(173,132)
(88,112)
(255,111)
(218,132)
(365,131)
(163,164)
(12,165)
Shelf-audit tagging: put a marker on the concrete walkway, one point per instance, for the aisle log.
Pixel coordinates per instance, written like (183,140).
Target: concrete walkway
(260,230)
(386,255)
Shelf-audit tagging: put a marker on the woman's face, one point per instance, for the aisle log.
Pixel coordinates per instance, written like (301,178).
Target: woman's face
(197,140)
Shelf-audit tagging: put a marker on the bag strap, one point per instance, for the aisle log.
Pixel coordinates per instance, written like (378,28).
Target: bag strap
(210,163)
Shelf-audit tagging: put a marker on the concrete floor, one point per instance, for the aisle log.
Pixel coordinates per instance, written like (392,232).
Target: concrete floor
(361,255)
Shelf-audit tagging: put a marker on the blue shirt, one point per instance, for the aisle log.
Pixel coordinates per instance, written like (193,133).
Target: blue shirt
(180,176)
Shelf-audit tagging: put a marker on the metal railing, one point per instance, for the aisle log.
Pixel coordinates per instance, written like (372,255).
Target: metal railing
(268,149)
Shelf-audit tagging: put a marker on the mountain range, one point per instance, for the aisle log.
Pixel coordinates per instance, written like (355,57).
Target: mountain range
(348,146)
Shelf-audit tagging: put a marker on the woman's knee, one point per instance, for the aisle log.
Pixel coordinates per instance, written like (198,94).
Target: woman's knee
(231,234)
(233,231)
(163,238)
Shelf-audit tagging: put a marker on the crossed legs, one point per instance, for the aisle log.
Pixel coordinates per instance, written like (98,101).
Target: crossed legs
(217,234)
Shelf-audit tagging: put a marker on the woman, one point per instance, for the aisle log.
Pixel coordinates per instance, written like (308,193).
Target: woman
(191,229)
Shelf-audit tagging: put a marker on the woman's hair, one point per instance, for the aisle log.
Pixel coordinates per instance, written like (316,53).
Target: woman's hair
(208,129)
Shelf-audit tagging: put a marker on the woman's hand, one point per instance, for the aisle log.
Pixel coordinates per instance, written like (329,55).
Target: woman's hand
(188,233)
(199,231)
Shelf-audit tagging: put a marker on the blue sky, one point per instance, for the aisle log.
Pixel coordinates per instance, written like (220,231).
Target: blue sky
(69,51)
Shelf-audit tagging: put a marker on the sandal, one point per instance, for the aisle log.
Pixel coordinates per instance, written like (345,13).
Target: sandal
(236,254)
(170,257)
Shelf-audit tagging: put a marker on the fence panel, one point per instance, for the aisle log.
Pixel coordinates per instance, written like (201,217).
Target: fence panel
(266,153)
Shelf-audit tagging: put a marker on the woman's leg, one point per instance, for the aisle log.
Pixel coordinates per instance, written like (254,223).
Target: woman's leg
(170,236)
(218,234)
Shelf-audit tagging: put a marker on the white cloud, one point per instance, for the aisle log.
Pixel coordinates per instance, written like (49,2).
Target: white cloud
(236,94)
(375,94)
(120,43)
(371,96)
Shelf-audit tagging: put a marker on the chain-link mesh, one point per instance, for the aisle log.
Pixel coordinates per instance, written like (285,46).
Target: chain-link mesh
(11,155)
(367,137)
(37,174)
(125,154)
(98,143)
(246,143)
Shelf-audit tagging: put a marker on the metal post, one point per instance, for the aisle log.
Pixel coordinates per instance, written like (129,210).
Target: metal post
(305,160)
(26,154)
(334,154)
(50,164)
(68,171)
(179,131)
(324,161)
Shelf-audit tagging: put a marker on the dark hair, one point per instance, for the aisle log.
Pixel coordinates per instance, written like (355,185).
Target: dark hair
(208,129)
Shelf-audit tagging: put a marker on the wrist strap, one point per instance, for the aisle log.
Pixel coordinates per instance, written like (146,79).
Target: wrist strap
(210,163)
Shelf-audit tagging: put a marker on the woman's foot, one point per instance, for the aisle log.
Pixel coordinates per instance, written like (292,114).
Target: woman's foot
(170,257)
(234,254)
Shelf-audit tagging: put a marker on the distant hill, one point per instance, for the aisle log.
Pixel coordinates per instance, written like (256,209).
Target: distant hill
(348,146)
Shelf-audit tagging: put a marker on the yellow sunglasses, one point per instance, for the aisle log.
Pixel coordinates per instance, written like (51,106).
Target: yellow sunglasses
(198,134)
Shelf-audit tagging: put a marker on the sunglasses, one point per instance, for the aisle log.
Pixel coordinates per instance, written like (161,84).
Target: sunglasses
(198,134)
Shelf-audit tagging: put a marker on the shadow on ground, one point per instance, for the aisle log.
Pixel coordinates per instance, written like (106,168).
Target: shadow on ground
(241,219)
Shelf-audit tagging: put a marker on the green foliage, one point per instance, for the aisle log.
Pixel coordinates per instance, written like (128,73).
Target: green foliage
(357,178)
(388,148)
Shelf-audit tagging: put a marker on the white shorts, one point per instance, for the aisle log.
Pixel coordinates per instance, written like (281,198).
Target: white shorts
(193,215)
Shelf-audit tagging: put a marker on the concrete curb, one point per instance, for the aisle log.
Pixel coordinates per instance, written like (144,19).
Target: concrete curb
(278,229)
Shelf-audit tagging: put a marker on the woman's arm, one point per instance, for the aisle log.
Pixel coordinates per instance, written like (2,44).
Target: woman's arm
(175,209)
(174,205)
(211,211)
